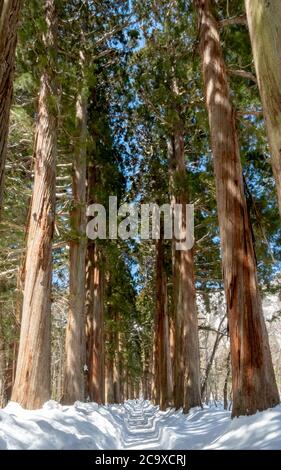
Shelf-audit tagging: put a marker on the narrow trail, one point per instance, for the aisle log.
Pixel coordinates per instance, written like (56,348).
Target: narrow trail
(145,427)
(142,426)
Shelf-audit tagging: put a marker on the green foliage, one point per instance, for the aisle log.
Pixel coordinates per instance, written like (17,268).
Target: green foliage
(137,65)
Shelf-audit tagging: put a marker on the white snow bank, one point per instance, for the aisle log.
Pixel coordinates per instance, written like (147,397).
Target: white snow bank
(261,431)
(82,426)
(135,425)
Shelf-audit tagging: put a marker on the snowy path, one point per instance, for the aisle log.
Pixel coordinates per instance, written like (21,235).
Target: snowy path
(148,428)
(143,426)
(135,425)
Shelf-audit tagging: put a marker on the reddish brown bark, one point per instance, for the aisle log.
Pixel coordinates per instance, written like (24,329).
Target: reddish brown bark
(162,346)
(2,368)
(146,375)
(253,380)
(109,371)
(225,385)
(155,386)
(116,369)
(185,322)
(75,344)
(126,396)
(95,325)
(32,383)
(122,370)
(9,18)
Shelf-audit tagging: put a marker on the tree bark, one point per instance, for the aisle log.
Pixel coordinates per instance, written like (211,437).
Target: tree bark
(2,368)
(264,19)
(146,372)
(137,390)
(32,383)
(122,369)
(161,350)
(155,388)
(225,386)
(127,395)
(186,342)
(9,18)
(75,345)
(109,371)
(116,379)
(253,380)
(167,346)
(116,370)
(95,325)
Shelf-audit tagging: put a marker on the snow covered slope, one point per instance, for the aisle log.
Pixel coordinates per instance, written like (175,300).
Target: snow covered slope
(135,425)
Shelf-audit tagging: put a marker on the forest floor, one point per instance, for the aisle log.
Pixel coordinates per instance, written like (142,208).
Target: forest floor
(136,424)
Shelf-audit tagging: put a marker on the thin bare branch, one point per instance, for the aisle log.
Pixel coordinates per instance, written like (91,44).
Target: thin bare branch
(243,74)
(233,21)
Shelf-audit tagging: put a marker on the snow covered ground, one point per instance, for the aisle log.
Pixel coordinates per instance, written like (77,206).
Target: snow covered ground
(135,425)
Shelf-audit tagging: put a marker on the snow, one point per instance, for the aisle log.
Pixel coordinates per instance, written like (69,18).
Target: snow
(136,424)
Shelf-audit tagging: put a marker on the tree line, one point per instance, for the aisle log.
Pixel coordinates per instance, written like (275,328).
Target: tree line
(140,101)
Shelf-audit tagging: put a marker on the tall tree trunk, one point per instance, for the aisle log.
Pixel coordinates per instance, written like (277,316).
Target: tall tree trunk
(75,345)
(146,373)
(137,390)
(167,348)
(122,369)
(116,379)
(225,385)
(116,370)
(95,325)
(264,18)
(9,17)
(32,382)
(109,371)
(127,384)
(159,359)
(254,385)
(155,392)
(162,347)
(2,368)
(172,339)
(186,352)
(165,388)
(129,389)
